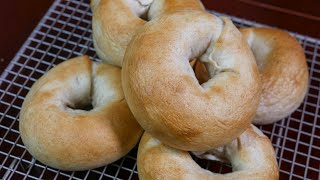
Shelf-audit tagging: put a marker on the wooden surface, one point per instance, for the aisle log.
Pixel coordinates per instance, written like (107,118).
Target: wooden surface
(18,18)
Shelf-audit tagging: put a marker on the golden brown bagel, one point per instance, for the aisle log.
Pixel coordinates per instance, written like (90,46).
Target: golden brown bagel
(283,71)
(164,94)
(251,155)
(114,22)
(60,135)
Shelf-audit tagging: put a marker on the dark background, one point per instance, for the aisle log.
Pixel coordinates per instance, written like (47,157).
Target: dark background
(19,17)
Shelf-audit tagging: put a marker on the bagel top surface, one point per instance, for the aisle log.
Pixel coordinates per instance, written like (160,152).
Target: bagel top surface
(283,71)
(166,98)
(57,132)
(115,22)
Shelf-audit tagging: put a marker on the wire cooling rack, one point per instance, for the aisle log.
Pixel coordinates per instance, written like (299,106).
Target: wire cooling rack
(65,32)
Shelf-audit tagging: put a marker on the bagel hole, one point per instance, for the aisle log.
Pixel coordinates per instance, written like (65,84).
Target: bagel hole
(84,107)
(213,166)
(201,72)
(144,16)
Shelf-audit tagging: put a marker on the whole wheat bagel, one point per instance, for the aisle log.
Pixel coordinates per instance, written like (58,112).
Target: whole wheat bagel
(114,22)
(164,94)
(283,71)
(57,133)
(251,155)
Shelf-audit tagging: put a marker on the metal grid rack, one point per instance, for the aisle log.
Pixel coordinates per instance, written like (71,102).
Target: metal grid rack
(65,32)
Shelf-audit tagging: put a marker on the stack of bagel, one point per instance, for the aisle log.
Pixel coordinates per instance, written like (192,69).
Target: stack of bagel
(82,114)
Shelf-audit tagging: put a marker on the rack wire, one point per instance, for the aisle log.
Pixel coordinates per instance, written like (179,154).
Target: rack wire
(65,32)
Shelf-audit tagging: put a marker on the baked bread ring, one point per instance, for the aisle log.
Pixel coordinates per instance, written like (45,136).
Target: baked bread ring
(57,133)
(114,22)
(251,155)
(283,71)
(164,94)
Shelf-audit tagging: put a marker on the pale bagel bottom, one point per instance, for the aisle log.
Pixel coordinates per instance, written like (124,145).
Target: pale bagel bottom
(251,155)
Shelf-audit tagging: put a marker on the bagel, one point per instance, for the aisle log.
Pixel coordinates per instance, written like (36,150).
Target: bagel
(283,71)
(58,133)
(164,94)
(251,155)
(114,22)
